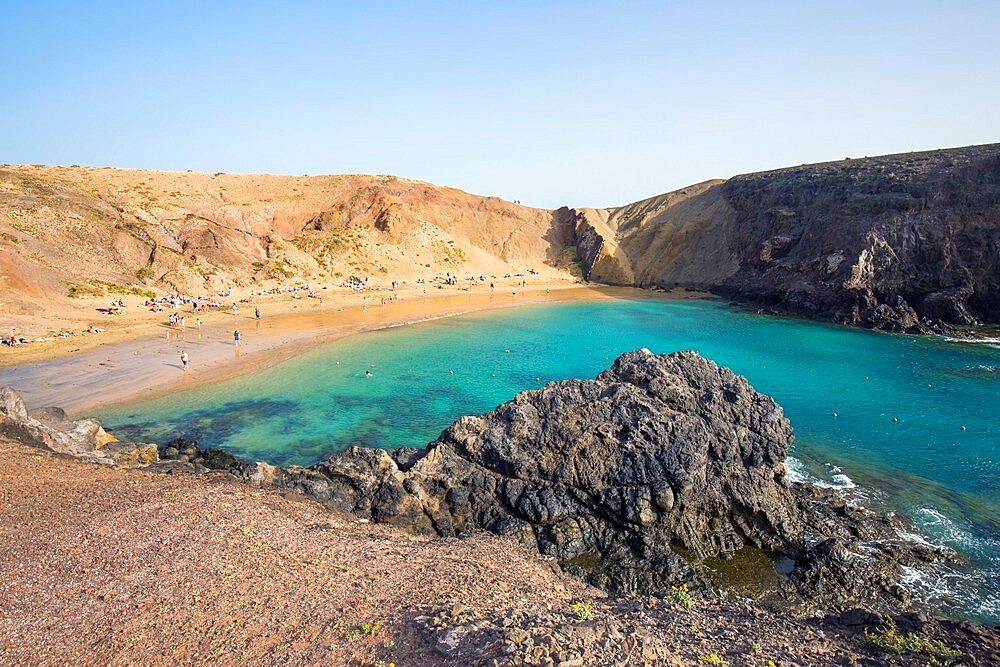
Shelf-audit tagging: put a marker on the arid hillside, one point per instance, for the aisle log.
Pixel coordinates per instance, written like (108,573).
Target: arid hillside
(68,231)
(907,242)
(901,242)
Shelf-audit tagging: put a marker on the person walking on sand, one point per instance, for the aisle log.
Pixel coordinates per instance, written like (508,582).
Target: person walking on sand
(236,309)
(256,313)
(236,337)
(184,360)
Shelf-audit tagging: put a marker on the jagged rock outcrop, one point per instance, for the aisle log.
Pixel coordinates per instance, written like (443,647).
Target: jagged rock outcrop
(600,257)
(906,242)
(84,439)
(631,480)
(655,473)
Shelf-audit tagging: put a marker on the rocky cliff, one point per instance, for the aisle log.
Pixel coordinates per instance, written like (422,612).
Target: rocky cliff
(900,242)
(663,470)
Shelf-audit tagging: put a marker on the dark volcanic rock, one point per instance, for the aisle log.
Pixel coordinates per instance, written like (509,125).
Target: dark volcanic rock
(630,480)
(182,452)
(949,305)
(922,228)
(907,242)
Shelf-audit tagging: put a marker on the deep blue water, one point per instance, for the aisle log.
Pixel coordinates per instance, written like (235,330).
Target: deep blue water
(424,376)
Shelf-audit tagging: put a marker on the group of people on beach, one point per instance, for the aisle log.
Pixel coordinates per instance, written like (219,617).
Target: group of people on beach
(14,341)
(199,304)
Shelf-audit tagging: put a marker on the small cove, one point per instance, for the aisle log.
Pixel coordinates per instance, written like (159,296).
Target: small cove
(425,376)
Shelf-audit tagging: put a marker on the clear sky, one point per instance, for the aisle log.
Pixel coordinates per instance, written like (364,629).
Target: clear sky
(551,103)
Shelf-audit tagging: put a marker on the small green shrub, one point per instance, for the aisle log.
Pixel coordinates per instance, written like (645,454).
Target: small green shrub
(584,611)
(101,287)
(77,291)
(144,273)
(712,659)
(890,640)
(448,253)
(680,595)
(279,269)
(364,629)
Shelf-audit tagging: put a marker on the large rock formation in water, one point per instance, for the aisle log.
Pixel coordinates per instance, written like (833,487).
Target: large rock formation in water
(662,470)
(900,242)
(665,469)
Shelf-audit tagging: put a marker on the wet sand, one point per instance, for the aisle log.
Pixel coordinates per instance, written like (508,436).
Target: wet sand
(139,360)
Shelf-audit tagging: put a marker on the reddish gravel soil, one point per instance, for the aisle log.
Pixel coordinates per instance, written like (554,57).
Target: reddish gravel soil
(103,566)
(117,567)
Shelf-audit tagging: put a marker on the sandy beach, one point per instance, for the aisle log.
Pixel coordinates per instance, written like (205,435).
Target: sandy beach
(136,356)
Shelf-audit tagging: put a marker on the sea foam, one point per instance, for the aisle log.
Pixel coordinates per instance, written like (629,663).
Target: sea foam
(973,592)
(797,472)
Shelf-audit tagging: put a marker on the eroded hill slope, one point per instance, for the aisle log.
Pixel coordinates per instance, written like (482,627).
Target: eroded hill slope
(883,242)
(63,227)
(900,242)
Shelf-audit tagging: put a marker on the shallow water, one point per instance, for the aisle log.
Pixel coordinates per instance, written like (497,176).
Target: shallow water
(424,376)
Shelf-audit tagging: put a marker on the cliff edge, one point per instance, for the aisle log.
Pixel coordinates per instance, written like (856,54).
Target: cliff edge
(907,242)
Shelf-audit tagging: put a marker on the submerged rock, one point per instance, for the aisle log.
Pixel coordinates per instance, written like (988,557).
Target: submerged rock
(631,480)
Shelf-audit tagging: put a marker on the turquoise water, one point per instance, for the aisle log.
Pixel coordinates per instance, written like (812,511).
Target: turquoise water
(424,376)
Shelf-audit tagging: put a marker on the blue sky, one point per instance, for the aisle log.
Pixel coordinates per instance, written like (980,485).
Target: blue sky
(551,103)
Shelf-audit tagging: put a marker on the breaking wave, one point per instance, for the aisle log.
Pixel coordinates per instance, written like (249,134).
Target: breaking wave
(797,472)
(974,592)
(989,341)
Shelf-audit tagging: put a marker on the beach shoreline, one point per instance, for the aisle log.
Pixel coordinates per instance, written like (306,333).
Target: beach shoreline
(139,359)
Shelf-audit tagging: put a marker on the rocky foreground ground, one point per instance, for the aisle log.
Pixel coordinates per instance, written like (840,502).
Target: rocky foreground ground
(100,565)
(646,480)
